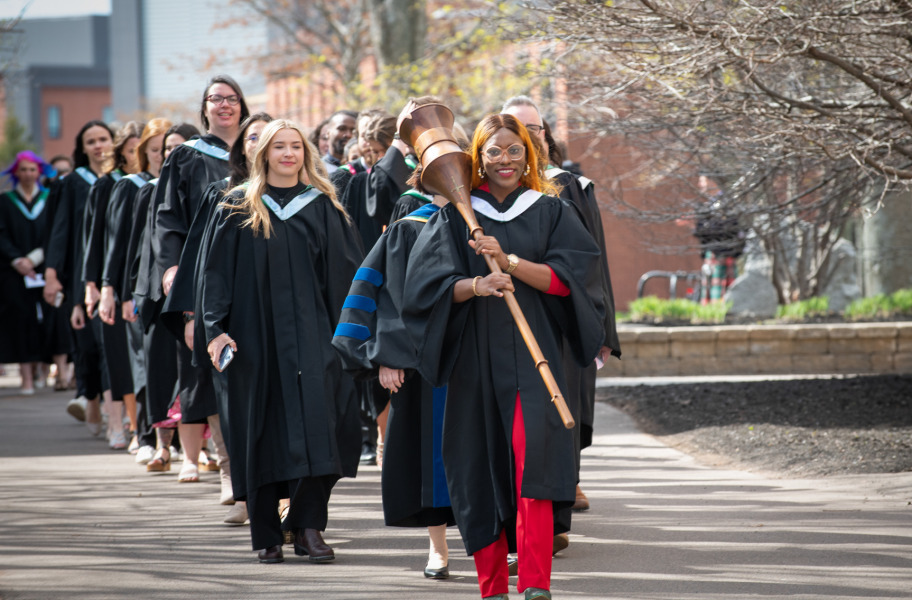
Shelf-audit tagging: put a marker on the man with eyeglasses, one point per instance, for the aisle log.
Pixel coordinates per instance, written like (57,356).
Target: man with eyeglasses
(577,192)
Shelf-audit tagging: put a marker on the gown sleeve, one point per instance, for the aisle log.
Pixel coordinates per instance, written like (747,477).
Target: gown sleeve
(573,256)
(117,235)
(94,226)
(370,332)
(219,274)
(433,321)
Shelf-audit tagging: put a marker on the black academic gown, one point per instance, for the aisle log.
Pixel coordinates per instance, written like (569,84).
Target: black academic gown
(196,248)
(64,253)
(292,410)
(159,345)
(475,348)
(370,334)
(581,381)
(186,174)
(386,183)
(23,335)
(119,221)
(113,337)
(408,203)
(354,199)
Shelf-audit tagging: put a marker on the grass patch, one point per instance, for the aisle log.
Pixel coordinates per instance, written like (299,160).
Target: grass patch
(657,310)
(881,306)
(804,309)
(653,309)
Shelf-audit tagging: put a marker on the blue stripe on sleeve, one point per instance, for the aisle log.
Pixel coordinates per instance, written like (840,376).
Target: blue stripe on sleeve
(360,302)
(370,275)
(353,330)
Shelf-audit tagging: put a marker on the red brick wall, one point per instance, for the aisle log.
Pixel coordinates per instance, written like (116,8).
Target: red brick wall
(634,246)
(77,106)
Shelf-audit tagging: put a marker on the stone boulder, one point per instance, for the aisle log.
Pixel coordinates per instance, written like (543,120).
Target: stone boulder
(752,295)
(842,287)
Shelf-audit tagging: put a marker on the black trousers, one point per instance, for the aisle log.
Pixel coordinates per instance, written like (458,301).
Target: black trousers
(309,508)
(87,362)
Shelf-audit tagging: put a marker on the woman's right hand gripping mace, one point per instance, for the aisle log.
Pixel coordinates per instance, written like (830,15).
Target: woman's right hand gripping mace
(445,172)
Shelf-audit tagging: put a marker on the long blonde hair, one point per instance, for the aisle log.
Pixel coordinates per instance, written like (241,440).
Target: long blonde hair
(312,172)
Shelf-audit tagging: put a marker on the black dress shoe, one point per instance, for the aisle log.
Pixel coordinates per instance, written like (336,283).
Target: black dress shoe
(441,573)
(309,542)
(272,554)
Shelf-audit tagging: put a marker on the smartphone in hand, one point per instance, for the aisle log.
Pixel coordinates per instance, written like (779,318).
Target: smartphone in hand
(226,357)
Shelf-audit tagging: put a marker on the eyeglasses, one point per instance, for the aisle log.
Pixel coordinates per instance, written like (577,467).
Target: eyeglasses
(533,128)
(252,138)
(217,99)
(514,152)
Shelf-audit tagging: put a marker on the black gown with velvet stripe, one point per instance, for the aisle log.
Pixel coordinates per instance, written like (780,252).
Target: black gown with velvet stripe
(370,334)
(292,409)
(476,349)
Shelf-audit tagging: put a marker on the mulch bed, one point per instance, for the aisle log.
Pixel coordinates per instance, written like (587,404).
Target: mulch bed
(795,428)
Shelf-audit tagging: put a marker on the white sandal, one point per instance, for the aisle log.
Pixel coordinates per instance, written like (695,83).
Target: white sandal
(189,473)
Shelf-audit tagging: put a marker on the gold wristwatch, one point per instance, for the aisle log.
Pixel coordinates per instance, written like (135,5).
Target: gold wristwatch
(513,262)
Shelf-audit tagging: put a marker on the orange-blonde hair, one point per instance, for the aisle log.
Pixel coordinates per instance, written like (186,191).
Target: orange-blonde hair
(535,179)
(153,128)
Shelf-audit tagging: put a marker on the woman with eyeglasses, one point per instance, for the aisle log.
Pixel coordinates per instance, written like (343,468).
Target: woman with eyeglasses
(185,176)
(189,274)
(509,461)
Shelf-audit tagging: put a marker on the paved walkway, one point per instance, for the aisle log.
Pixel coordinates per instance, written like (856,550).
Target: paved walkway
(78,521)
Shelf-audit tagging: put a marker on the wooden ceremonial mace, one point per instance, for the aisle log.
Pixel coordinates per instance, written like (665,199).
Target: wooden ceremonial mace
(446,171)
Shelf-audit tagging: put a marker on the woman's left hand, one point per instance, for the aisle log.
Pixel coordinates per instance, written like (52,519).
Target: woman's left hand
(106,305)
(217,345)
(391,379)
(488,245)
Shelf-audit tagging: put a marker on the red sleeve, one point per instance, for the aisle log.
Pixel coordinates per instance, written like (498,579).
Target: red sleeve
(557,287)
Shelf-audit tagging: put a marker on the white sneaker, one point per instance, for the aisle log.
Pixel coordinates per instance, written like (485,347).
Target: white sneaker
(118,440)
(77,408)
(144,454)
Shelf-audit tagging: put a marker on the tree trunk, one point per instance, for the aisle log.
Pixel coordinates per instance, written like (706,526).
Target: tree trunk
(886,246)
(398,30)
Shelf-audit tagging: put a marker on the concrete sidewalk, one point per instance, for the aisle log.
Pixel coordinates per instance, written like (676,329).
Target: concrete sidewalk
(79,521)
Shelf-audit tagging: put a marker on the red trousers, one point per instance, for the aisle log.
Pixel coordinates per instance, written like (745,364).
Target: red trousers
(534,534)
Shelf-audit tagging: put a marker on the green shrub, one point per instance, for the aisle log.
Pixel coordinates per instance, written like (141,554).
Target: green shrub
(881,306)
(804,309)
(653,309)
(657,310)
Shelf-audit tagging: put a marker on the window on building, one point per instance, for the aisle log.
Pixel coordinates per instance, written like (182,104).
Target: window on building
(53,122)
(107,114)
